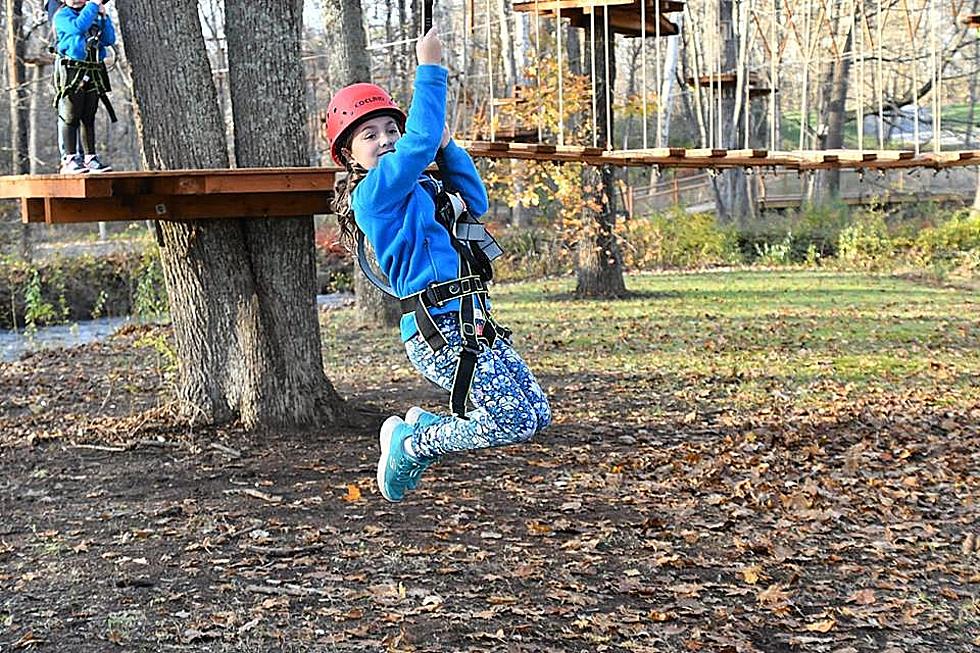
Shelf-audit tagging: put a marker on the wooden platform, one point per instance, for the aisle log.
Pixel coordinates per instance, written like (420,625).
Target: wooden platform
(625,16)
(171,194)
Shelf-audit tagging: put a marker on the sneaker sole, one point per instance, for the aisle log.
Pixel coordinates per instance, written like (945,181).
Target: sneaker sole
(384,439)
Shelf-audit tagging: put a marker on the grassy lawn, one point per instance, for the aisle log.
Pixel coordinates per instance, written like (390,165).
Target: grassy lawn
(730,340)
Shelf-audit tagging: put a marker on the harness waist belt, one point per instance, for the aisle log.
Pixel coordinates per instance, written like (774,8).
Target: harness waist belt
(437,294)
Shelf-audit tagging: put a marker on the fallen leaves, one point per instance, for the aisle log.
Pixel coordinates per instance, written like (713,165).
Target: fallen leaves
(353,493)
(863,597)
(822,626)
(751,574)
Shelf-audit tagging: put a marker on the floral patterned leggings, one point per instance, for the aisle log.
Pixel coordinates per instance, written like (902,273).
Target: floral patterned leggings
(510,405)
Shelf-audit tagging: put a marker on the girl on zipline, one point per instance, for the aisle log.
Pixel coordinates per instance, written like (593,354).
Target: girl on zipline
(82,31)
(435,255)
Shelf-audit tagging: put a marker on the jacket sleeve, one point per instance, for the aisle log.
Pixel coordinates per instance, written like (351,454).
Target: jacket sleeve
(460,175)
(108,32)
(387,185)
(69,22)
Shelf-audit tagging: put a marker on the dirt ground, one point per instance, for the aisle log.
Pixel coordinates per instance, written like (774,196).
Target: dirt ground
(619,529)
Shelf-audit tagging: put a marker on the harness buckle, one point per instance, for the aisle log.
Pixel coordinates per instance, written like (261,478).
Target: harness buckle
(431,296)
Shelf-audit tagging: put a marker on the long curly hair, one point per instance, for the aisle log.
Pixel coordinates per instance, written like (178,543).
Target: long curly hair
(343,190)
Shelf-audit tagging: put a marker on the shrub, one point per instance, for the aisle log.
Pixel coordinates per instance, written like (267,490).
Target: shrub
(79,288)
(676,239)
(865,245)
(531,252)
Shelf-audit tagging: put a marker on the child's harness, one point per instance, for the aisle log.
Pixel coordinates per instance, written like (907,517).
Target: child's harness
(76,74)
(476,248)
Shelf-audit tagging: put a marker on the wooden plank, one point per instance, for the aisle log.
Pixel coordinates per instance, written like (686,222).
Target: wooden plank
(651,152)
(17,186)
(31,209)
(312,180)
(747,154)
(895,155)
(705,152)
(541,148)
(580,150)
(185,207)
(553,5)
(853,155)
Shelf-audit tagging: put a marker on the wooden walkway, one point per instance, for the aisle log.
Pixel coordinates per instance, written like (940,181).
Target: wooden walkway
(675,157)
(283,192)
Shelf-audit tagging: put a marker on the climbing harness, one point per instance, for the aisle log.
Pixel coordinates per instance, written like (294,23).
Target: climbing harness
(476,249)
(73,76)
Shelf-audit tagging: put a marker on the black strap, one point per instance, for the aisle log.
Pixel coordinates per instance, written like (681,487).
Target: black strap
(474,252)
(75,76)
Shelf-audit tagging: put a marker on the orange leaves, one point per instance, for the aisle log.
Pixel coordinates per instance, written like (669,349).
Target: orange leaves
(776,598)
(751,574)
(862,597)
(353,493)
(822,626)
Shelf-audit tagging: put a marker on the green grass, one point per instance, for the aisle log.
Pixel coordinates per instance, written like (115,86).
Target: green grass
(955,117)
(726,338)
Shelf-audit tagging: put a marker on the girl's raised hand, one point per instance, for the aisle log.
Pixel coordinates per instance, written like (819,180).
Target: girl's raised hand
(429,48)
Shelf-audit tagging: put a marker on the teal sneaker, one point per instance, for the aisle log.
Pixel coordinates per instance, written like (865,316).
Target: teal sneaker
(395,465)
(421,418)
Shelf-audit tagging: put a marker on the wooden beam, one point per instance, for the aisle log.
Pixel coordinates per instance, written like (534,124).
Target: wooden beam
(169,182)
(31,210)
(552,6)
(185,207)
(16,186)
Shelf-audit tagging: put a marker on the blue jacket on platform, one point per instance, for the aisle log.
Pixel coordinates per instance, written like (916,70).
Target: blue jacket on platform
(396,212)
(71,29)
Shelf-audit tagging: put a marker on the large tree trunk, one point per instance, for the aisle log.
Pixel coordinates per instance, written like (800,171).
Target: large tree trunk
(600,269)
(732,184)
(835,98)
(241,292)
(17,89)
(506,51)
(17,96)
(352,64)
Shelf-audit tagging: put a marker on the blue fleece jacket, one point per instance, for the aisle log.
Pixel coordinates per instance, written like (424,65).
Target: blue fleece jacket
(71,28)
(398,215)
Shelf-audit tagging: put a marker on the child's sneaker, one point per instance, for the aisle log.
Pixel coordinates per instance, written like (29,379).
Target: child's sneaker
(95,164)
(395,466)
(72,164)
(423,418)
(418,417)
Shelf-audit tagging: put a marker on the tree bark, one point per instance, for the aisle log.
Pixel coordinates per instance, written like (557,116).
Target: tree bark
(835,90)
(352,64)
(731,185)
(599,265)
(19,107)
(17,89)
(242,297)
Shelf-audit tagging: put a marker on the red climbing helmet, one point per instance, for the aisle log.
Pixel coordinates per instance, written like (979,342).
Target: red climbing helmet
(352,104)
